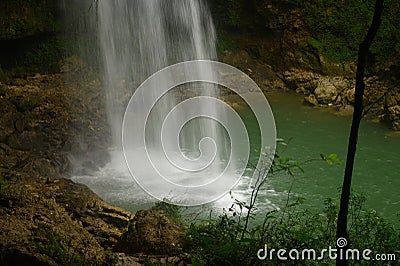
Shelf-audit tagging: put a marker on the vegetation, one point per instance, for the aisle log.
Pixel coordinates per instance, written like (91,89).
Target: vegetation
(333,28)
(224,43)
(24,18)
(236,235)
(219,242)
(42,56)
(338,27)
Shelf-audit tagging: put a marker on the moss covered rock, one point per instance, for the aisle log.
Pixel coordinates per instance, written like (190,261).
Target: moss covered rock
(152,232)
(25,18)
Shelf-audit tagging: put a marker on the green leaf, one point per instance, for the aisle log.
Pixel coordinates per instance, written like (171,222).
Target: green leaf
(333,157)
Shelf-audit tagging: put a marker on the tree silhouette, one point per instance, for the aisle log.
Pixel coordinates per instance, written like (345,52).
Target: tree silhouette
(352,145)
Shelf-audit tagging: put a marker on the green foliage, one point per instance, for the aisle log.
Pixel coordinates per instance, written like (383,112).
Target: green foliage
(4,183)
(236,235)
(331,159)
(170,210)
(338,27)
(335,28)
(5,195)
(58,248)
(26,104)
(24,18)
(217,242)
(314,43)
(11,195)
(229,12)
(42,55)
(224,43)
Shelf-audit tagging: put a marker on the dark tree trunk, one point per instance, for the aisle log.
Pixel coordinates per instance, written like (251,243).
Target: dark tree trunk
(352,146)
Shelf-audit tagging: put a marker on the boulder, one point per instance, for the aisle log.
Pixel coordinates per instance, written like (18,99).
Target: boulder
(8,117)
(396,125)
(394,112)
(35,230)
(348,96)
(152,232)
(325,92)
(310,99)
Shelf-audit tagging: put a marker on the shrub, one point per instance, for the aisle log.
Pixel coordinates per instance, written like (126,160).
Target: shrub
(236,235)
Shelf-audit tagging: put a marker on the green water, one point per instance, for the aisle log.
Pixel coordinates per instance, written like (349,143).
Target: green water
(310,132)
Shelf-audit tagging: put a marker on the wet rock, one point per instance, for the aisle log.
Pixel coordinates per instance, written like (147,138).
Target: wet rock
(20,125)
(10,158)
(35,230)
(26,102)
(325,89)
(152,232)
(274,84)
(8,116)
(325,92)
(348,96)
(394,116)
(392,100)
(310,99)
(50,220)
(105,222)
(396,125)
(19,82)
(73,65)
(260,72)
(27,141)
(42,167)
(346,110)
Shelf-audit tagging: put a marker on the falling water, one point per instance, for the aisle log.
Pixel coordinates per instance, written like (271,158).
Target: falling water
(137,38)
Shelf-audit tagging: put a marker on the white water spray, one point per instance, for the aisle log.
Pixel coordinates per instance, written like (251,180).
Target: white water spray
(136,39)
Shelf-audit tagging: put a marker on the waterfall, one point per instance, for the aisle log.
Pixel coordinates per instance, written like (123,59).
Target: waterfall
(172,136)
(138,38)
(133,40)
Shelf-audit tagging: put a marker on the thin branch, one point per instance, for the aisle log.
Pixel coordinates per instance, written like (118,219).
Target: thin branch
(341,231)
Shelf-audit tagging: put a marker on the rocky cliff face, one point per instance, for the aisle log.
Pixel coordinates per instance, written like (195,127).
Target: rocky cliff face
(381,101)
(22,19)
(46,219)
(48,122)
(382,95)
(290,38)
(28,37)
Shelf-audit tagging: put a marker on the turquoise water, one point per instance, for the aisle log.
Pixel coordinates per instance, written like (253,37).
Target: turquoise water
(310,132)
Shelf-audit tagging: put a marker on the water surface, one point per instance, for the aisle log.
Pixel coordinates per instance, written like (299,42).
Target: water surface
(312,131)
(309,132)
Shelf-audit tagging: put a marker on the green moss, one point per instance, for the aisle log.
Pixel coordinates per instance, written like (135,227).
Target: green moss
(43,56)
(228,12)
(225,43)
(314,43)
(28,32)
(337,28)
(24,18)
(3,77)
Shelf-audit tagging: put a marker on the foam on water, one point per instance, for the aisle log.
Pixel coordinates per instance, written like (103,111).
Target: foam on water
(115,185)
(137,38)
